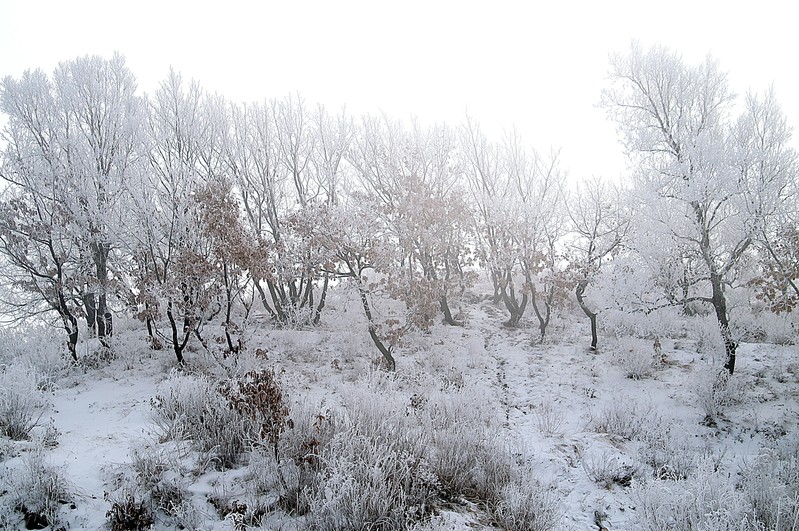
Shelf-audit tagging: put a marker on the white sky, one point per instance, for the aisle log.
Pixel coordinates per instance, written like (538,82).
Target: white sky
(537,65)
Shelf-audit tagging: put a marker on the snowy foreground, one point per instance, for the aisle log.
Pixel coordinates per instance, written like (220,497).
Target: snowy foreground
(639,435)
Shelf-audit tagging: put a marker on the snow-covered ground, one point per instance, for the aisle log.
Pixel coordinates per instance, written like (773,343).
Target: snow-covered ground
(600,444)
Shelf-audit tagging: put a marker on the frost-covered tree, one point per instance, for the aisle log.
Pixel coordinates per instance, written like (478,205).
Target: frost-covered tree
(412,179)
(710,182)
(70,147)
(102,117)
(517,196)
(538,226)
(599,223)
(283,159)
(777,283)
(770,169)
(354,243)
(175,273)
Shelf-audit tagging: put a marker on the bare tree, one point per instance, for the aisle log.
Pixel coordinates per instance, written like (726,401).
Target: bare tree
(703,175)
(101,118)
(284,161)
(70,147)
(413,179)
(175,272)
(517,196)
(600,224)
(352,239)
(40,256)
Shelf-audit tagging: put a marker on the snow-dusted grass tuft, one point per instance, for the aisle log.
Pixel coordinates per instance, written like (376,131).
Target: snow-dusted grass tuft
(638,359)
(190,408)
(127,513)
(371,483)
(717,391)
(21,401)
(771,484)
(469,451)
(374,472)
(39,489)
(665,322)
(706,500)
(626,419)
(386,460)
(550,419)
(705,329)
(670,455)
(764,327)
(524,505)
(607,470)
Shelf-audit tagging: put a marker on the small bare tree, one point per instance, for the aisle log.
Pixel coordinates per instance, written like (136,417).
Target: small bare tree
(599,223)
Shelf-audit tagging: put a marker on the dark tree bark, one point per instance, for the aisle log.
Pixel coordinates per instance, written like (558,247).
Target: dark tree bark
(100,253)
(580,292)
(322,298)
(155,343)
(545,317)
(720,306)
(178,345)
(447,312)
(515,307)
(91,313)
(385,351)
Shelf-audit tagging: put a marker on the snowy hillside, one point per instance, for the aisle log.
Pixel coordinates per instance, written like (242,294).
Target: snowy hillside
(479,428)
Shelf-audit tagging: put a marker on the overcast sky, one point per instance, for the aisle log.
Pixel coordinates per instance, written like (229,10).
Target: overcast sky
(538,66)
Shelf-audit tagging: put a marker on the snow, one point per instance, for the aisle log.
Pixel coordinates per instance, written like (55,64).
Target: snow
(550,397)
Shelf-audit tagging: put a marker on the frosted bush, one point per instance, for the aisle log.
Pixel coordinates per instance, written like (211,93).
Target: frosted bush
(525,505)
(771,484)
(626,419)
(705,329)
(763,326)
(670,455)
(388,459)
(706,500)
(21,401)
(607,470)
(638,359)
(717,391)
(127,512)
(374,470)
(370,483)
(665,322)
(34,346)
(190,408)
(469,451)
(39,489)
(549,419)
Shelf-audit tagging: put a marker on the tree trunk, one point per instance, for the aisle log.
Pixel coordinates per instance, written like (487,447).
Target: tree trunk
(91,313)
(514,307)
(67,318)
(495,279)
(385,351)
(155,343)
(322,297)
(543,318)
(71,327)
(233,349)
(447,312)
(720,305)
(262,296)
(177,345)
(579,292)
(104,320)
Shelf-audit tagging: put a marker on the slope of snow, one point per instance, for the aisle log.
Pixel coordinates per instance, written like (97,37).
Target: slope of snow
(554,400)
